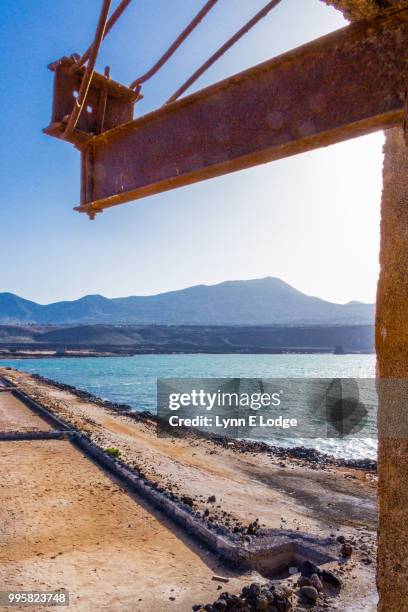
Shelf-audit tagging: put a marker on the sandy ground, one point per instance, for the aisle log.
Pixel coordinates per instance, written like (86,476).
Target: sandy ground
(290,494)
(14,416)
(65,524)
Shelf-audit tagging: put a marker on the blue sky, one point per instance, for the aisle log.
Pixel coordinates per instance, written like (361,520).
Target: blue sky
(312,220)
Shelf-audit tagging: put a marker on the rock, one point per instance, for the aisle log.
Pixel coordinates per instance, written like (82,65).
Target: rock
(197,607)
(308,568)
(254,597)
(188,501)
(293,570)
(331,578)
(281,605)
(346,550)
(303,581)
(212,499)
(253,590)
(282,591)
(220,605)
(309,593)
(316,582)
(261,603)
(341,539)
(235,600)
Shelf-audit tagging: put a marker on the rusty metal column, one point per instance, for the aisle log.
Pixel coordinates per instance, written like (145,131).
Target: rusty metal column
(392,362)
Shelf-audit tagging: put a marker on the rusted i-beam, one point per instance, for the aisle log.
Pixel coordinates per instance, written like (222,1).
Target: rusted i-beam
(348,83)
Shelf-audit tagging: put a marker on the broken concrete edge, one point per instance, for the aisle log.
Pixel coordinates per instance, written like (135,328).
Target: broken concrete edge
(267,553)
(311,456)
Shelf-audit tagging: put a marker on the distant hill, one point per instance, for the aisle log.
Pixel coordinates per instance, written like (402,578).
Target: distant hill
(266,301)
(133,339)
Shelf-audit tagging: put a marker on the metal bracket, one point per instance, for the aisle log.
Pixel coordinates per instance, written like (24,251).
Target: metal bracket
(108,103)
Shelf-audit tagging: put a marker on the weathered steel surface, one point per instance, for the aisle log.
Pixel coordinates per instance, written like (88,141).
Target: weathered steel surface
(362,9)
(108,104)
(346,84)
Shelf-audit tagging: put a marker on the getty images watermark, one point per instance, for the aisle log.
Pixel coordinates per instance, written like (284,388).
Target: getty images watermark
(226,409)
(271,408)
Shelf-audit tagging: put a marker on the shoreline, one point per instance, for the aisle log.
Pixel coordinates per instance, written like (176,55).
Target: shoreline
(309,454)
(212,480)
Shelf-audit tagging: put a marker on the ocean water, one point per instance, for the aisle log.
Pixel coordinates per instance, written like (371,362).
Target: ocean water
(132,380)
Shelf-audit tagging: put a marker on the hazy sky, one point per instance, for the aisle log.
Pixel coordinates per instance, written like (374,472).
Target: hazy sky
(312,220)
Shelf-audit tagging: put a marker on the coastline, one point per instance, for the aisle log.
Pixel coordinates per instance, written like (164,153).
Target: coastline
(307,454)
(244,490)
(4,356)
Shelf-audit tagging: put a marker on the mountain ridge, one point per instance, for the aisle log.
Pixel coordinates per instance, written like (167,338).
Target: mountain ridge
(265,301)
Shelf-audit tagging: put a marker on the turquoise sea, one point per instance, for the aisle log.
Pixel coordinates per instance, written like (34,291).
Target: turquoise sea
(132,380)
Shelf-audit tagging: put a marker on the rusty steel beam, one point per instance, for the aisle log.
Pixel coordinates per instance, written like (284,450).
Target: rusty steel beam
(346,84)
